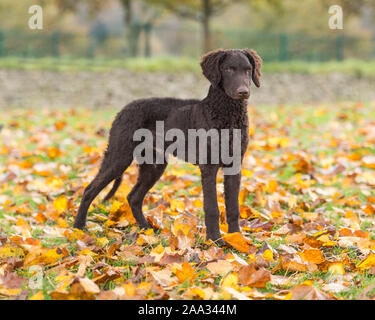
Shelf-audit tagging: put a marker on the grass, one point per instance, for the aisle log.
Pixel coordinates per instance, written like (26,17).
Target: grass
(173,64)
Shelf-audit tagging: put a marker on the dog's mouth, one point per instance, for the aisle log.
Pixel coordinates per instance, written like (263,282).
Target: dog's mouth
(237,94)
(241,96)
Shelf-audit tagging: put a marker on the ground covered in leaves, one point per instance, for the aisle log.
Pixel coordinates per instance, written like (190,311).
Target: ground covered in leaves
(307,213)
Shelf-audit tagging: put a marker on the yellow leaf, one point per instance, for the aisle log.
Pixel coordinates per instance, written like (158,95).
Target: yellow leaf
(197,292)
(198,203)
(102,242)
(109,223)
(8,251)
(268,255)
(185,228)
(177,205)
(22,223)
(64,280)
(9,292)
(37,296)
(42,256)
(121,212)
(62,223)
(149,232)
(158,249)
(292,201)
(247,173)
(230,280)
(87,252)
(272,186)
(337,268)
(60,204)
(115,206)
(129,289)
(140,241)
(368,262)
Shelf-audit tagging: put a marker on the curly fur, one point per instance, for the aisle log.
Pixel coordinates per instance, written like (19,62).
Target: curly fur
(218,110)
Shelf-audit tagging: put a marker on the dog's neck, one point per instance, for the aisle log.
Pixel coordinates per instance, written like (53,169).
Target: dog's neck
(218,105)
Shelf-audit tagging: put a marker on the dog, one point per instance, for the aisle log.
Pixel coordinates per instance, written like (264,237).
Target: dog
(230,73)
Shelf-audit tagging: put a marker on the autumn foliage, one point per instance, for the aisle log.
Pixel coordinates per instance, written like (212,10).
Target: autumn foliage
(307,206)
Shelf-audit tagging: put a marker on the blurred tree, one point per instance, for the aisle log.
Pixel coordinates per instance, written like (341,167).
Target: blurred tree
(203,11)
(198,10)
(138,17)
(132,32)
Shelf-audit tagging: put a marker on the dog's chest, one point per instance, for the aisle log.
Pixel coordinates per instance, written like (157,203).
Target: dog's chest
(229,117)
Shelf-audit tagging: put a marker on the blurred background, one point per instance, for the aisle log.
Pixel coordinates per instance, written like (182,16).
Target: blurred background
(160,40)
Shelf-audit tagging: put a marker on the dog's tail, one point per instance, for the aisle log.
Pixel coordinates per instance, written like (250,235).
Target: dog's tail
(115,186)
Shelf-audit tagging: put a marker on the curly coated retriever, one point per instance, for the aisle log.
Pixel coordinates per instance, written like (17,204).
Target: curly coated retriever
(230,73)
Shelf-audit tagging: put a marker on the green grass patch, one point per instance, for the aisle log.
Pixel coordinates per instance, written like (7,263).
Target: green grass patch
(173,64)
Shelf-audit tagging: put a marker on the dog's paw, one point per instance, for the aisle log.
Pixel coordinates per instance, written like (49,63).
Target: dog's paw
(220,243)
(145,226)
(80,226)
(216,240)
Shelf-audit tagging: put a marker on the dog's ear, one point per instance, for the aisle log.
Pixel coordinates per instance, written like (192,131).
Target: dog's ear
(210,64)
(256,62)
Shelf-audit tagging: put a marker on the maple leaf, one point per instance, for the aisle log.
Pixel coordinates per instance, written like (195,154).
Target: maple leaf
(185,273)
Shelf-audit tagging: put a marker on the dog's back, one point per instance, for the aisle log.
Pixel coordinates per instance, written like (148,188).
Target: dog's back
(151,110)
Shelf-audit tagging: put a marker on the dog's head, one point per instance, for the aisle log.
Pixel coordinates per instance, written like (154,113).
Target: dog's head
(232,71)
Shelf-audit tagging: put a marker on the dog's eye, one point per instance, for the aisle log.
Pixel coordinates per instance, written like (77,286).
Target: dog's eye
(248,72)
(230,69)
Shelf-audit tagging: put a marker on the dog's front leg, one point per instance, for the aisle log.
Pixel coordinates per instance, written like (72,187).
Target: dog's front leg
(231,191)
(211,209)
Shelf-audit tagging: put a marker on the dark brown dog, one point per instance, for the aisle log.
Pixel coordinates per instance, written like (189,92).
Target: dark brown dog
(225,107)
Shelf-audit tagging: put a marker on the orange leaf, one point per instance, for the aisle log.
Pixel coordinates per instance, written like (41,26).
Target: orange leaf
(312,256)
(237,241)
(186,273)
(370,210)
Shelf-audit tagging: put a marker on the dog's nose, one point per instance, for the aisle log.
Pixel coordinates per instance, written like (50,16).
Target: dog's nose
(243,92)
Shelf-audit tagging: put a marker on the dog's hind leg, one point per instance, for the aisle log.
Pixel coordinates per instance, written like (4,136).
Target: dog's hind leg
(106,174)
(147,177)
(115,186)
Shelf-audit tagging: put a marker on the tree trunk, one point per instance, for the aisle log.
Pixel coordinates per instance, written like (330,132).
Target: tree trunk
(131,32)
(148,28)
(207,36)
(127,4)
